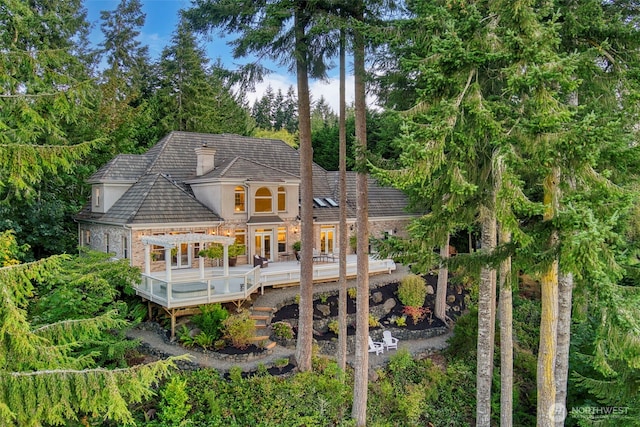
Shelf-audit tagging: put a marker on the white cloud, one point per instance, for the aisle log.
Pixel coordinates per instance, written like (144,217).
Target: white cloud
(329,89)
(276,81)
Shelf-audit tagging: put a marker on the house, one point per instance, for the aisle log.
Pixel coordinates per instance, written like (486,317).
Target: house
(224,185)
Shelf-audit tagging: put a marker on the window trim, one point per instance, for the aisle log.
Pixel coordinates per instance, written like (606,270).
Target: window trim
(263,198)
(282,199)
(239,199)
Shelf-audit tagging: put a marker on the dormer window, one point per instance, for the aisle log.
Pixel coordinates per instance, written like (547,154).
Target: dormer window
(96,197)
(264,200)
(282,199)
(239,199)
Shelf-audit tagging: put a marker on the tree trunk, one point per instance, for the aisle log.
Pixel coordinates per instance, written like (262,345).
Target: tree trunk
(486,322)
(440,309)
(549,313)
(342,225)
(359,411)
(506,338)
(565,293)
(305,328)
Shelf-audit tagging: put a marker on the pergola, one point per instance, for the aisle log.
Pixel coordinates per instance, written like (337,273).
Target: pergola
(170,241)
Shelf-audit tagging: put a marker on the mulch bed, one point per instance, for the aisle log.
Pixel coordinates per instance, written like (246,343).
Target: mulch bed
(455,295)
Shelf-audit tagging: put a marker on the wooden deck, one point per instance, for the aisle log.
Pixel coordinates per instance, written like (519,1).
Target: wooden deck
(189,287)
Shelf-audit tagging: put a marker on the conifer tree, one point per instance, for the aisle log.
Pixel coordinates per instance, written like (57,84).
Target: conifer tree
(41,381)
(192,96)
(281,30)
(46,91)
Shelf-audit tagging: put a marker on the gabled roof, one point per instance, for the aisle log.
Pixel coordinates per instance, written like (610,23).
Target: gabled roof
(155,198)
(241,168)
(162,194)
(123,167)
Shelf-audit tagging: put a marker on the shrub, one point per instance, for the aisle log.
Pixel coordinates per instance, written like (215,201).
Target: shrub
(412,291)
(373,321)
(174,407)
(334,326)
(210,319)
(416,313)
(239,329)
(282,330)
(323,297)
(352,292)
(184,336)
(399,321)
(204,340)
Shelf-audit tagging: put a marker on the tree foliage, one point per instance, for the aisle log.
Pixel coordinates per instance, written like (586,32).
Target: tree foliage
(46,92)
(43,379)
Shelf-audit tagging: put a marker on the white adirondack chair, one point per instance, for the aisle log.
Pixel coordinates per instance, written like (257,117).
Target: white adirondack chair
(375,347)
(388,341)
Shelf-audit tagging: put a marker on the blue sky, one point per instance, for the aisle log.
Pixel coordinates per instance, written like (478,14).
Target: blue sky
(161,20)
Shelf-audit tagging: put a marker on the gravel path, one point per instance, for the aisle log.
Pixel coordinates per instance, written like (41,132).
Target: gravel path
(421,347)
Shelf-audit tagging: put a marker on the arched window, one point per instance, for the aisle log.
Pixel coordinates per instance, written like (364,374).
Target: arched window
(264,200)
(239,199)
(282,199)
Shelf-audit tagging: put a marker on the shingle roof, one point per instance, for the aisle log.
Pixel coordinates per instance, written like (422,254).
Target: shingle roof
(155,198)
(161,193)
(241,168)
(123,167)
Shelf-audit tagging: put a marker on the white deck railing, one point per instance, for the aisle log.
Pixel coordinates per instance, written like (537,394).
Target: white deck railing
(187,291)
(187,288)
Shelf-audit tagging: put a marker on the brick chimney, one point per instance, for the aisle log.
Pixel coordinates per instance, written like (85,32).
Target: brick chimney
(205,157)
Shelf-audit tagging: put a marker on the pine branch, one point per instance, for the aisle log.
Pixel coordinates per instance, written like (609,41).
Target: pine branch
(56,396)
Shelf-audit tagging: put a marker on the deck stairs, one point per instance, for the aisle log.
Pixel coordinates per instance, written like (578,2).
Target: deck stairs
(262,318)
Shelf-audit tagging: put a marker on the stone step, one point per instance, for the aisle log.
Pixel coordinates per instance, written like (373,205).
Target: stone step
(270,345)
(259,317)
(260,338)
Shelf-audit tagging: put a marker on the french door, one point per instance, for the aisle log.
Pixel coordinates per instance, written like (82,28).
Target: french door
(181,256)
(264,243)
(327,239)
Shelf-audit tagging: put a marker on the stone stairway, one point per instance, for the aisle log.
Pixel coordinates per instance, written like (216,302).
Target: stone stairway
(262,318)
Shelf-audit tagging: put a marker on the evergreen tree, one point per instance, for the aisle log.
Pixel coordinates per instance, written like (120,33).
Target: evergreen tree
(281,31)
(192,98)
(46,95)
(41,381)
(290,111)
(126,82)
(263,110)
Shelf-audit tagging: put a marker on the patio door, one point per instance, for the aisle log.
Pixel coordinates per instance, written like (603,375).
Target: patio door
(264,243)
(181,256)
(327,239)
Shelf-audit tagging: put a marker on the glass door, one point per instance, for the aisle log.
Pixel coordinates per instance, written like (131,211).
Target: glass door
(327,239)
(181,256)
(264,243)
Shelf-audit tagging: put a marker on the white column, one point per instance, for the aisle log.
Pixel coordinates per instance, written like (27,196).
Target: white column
(147,260)
(225,271)
(167,263)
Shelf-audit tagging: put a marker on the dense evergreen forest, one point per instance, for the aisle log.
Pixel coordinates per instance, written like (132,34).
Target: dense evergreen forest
(513,124)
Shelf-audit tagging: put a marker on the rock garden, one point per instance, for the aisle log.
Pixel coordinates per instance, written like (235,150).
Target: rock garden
(392,306)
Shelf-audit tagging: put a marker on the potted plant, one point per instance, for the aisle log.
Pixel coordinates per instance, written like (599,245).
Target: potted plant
(297,245)
(216,251)
(234,251)
(213,251)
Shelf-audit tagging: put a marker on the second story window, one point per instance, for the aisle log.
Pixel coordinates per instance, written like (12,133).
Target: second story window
(282,199)
(96,197)
(264,200)
(239,199)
